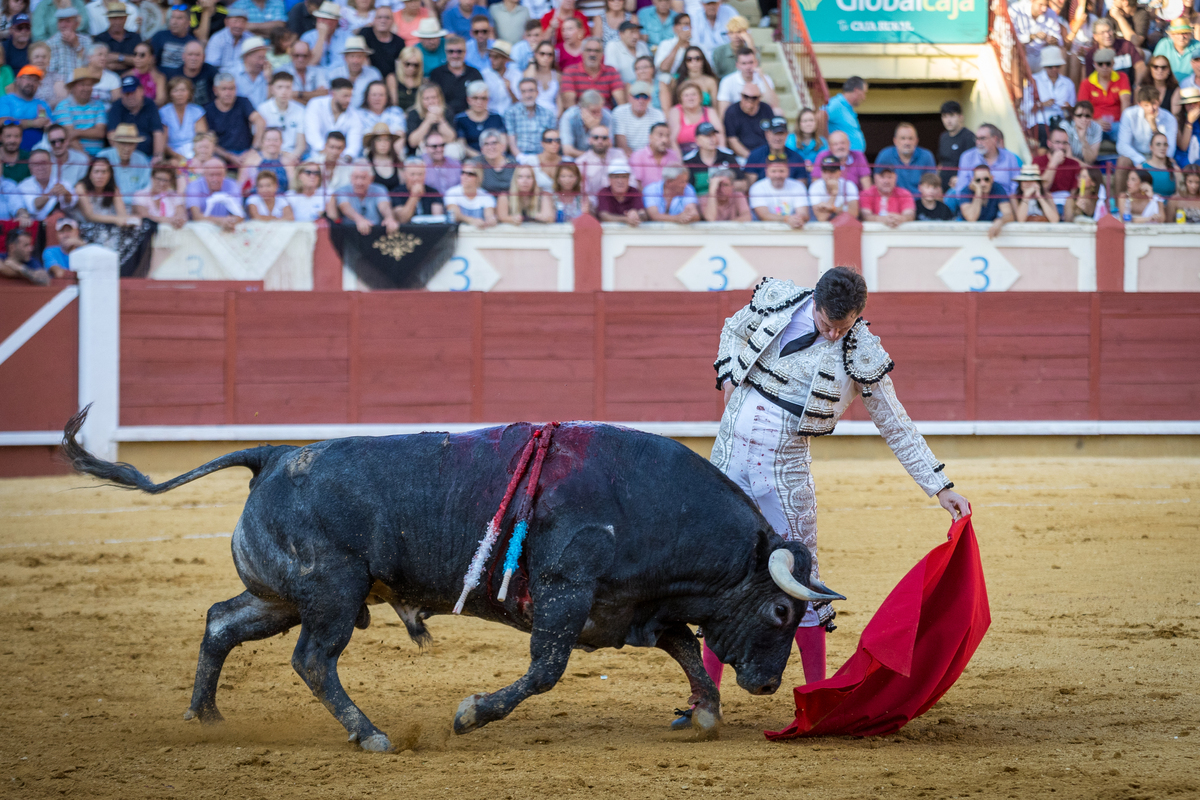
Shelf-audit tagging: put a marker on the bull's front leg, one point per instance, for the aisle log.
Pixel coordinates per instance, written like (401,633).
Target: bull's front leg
(679,643)
(556,628)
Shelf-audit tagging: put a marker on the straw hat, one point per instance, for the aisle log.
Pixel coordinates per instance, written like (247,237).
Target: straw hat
(429,28)
(328,10)
(502,47)
(356,44)
(379,129)
(116,10)
(1179,25)
(1189,95)
(82,74)
(1029,172)
(253,43)
(127,133)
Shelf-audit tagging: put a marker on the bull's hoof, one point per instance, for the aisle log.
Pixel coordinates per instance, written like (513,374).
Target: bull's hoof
(706,723)
(206,716)
(379,743)
(466,719)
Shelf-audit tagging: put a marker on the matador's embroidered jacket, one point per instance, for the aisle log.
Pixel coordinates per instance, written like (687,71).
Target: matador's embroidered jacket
(816,385)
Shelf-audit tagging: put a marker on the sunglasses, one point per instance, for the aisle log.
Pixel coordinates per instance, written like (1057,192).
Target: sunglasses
(435,147)
(1104,63)
(456,51)
(310,172)
(983,180)
(409,64)
(56,141)
(694,58)
(551,139)
(1160,66)
(1083,116)
(480,32)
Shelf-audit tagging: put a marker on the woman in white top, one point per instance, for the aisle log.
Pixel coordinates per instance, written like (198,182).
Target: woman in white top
(1139,200)
(267,204)
(307,203)
(108,88)
(182,118)
(357,14)
(542,70)
(468,202)
(831,194)
(375,109)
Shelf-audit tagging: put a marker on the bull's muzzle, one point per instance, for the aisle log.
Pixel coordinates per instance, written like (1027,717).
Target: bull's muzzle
(780,566)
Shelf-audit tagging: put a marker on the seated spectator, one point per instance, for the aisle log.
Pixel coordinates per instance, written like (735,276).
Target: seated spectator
(154,83)
(779,198)
(57,259)
(633,120)
(104,219)
(310,80)
(108,88)
(379,150)
(429,115)
(41,194)
(1188,198)
(253,79)
(19,33)
(1139,124)
(376,111)
(930,208)
(135,110)
(215,198)
(775,150)
(545,164)
(160,202)
(266,202)
(570,197)
(269,157)
(358,14)
(326,40)
(523,48)
(13,157)
(690,112)
(510,19)
(82,117)
(953,142)
(19,261)
(695,69)
(281,112)
(68,51)
(542,70)
(408,17)
(108,27)
(333,112)
(618,201)
(1178,47)
(724,57)
(726,202)
(169,43)
(1036,27)
(831,194)
(1060,173)
(594,163)
(1127,58)
(552,21)
(1031,204)
(805,140)
(67,166)
(1003,165)
(1083,132)
(1187,143)
(579,120)
(480,40)
(730,91)
(1055,93)
(196,70)
(592,74)
(1138,203)
(606,25)
(431,38)
(710,25)
(477,118)
(233,119)
(458,15)
(910,162)
(22,105)
(672,199)
(1164,81)
(279,56)
(182,119)
(364,202)
(335,171)
(884,201)
(706,157)
(649,162)
(569,52)
(468,202)
(657,21)
(526,121)
(39,56)
(455,76)
(307,200)
(497,164)
(622,53)
(130,166)
(409,77)
(443,171)
(354,68)
(204,146)
(416,197)
(979,203)
(524,201)
(660,95)
(501,77)
(747,121)
(1166,174)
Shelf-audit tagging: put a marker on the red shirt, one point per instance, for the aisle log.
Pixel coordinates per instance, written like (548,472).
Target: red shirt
(1107,103)
(575,79)
(565,59)
(583,20)
(899,201)
(1066,177)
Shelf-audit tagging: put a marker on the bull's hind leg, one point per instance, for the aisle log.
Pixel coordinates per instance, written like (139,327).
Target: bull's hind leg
(242,619)
(679,643)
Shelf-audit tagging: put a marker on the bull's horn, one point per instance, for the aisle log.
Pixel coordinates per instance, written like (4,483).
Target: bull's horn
(780,566)
(820,587)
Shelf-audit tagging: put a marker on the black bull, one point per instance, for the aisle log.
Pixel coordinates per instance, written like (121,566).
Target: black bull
(633,538)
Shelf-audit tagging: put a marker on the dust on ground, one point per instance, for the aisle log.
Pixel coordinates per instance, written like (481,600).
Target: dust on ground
(1086,685)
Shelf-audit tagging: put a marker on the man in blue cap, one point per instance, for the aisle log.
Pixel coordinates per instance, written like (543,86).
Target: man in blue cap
(775,131)
(134,110)
(16,46)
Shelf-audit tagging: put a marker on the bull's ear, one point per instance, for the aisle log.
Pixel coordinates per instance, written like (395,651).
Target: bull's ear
(766,543)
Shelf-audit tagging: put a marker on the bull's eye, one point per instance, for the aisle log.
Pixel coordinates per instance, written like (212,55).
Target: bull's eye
(781,613)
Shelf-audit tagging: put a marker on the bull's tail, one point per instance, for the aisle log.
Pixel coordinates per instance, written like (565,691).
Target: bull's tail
(126,476)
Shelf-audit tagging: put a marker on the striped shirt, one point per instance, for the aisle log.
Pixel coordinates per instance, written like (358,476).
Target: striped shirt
(70,114)
(575,79)
(271,11)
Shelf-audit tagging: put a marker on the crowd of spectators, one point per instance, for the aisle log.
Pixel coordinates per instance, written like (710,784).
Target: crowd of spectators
(126,115)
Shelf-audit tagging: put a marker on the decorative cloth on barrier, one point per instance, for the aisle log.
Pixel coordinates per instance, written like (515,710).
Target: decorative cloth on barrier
(406,259)
(280,254)
(911,652)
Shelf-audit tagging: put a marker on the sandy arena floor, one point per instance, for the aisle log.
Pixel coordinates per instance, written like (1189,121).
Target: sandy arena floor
(1086,686)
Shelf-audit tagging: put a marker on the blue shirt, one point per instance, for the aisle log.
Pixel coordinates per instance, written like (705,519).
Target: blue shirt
(432,58)
(652,195)
(55,257)
(367,206)
(455,22)
(990,210)
(13,105)
(756,163)
(908,176)
(843,117)
(272,11)
(1004,169)
(82,117)
(476,59)
(656,30)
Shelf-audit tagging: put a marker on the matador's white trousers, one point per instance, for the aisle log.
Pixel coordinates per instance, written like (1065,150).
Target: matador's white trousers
(772,466)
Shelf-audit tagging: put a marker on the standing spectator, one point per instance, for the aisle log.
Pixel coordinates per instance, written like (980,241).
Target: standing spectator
(524,201)
(1037,27)
(154,84)
(526,121)
(710,31)
(120,42)
(14,158)
(16,46)
(669,55)
(510,19)
(454,76)
(431,38)
(930,208)
(307,201)
(442,171)
(40,193)
(707,156)
(684,118)
(979,203)
(854,164)
(196,70)
(468,202)
(354,68)
(1055,92)
(67,165)
(253,80)
(384,46)
(129,165)
(778,198)
(408,17)
(310,81)
(266,203)
(457,16)
(328,39)
(334,113)
(428,116)
(744,122)
(262,16)
(724,58)
(1003,165)
(238,126)
(1107,92)
(622,53)
(672,198)
(471,123)
(1031,203)
(416,197)
(522,52)
(134,109)
(831,194)
(82,117)
(542,70)
(497,164)
(594,75)
(182,119)
(633,120)
(776,150)
(1127,59)
(910,161)
(570,199)
(1138,125)
(215,198)
(884,201)
(546,163)
(1083,133)
(747,71)
(841,114)
(1178,47)
(223,50)
(649,162)
(570,51)
(479,41)
(657,21)
(410,74)
(593,165)
(552,22)
(280,112)
(168,44)
(618,201)
(579,119)
(1060,172)
(502,78)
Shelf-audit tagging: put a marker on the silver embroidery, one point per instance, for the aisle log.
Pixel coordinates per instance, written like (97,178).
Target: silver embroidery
(902,436)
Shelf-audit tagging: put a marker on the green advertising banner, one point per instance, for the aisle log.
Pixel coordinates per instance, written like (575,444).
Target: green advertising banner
(889,21)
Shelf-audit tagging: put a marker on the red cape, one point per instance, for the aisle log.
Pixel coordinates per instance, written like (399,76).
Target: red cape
(911,652)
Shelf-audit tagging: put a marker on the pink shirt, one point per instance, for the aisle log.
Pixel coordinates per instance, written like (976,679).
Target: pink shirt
(854,170)
(898,202)
(646,170)
(595,170)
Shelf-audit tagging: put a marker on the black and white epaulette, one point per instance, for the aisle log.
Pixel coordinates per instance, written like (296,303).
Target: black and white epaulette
(863,356)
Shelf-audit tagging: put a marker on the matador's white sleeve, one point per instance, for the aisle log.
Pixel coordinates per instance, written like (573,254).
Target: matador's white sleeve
(734,336)
(901,435)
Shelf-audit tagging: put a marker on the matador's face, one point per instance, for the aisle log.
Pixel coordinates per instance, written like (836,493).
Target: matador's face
(833,329)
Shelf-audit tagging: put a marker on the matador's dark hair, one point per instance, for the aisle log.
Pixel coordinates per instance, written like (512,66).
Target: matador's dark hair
(841,292)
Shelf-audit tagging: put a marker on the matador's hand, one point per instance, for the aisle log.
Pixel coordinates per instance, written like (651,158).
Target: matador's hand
(954,502)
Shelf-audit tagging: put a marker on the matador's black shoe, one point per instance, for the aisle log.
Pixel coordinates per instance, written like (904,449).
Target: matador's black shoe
(683,719)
